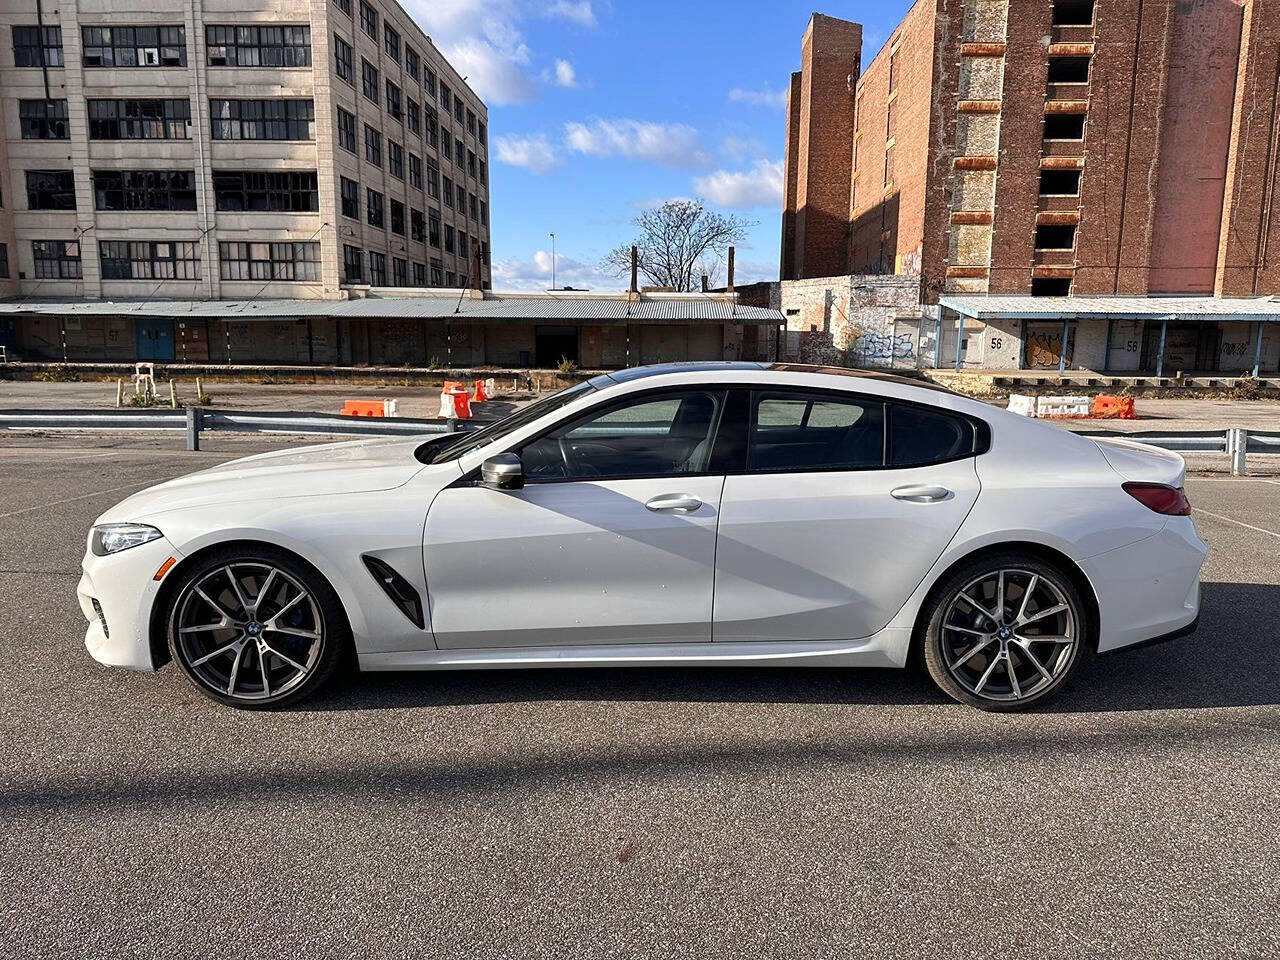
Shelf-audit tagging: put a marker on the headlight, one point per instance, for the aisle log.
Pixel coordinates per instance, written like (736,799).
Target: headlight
(114,537)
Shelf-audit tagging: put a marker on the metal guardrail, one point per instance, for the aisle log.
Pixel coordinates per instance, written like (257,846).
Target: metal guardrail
(1235,442)
(196,420)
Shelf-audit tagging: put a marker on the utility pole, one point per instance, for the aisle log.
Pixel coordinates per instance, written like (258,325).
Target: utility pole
(553,261)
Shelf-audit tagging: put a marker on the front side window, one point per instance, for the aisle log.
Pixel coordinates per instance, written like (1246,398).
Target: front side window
(798,431)
(654,435)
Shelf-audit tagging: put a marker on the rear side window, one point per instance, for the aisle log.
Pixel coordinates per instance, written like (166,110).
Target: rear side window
(919,436)
(792,431)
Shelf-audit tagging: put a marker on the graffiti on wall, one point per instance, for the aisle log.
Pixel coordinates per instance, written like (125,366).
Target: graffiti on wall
(884,348)
(1045,349)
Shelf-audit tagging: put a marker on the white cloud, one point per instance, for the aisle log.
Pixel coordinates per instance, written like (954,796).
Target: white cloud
(535,153)
(565,75)
(577,11)
(483,42)
(535,273)
(673,145)
(759,98)
(760,186)
(742,148)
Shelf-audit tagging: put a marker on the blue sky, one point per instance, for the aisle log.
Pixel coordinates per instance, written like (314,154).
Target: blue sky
(600,107)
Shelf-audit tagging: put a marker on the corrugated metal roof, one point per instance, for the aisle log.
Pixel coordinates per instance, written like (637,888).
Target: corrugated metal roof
(514,307)
(986,307)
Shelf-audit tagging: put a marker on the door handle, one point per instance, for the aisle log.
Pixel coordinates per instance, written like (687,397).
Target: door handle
(920,493)
(679,502)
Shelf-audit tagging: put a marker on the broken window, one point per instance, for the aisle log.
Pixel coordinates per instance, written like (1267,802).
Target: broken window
(1064,126)
(1069,70)
(1073,13)
(1050,286)
(1055,236)
(1059,183)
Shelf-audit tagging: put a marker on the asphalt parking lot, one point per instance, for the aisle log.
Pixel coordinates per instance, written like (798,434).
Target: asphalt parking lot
(698,813)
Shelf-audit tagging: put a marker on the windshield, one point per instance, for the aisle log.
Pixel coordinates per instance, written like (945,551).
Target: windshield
(463,443)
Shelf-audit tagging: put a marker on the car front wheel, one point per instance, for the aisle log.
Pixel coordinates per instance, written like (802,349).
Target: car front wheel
(1005,632)
(255,628)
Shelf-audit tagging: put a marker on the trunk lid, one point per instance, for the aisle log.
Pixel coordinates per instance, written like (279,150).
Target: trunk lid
(1142,463)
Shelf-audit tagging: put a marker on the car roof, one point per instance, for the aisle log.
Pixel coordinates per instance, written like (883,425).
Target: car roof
(631,374)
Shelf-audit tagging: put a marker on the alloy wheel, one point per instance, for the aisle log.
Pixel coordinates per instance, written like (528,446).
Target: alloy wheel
(248,630)
(1009,635)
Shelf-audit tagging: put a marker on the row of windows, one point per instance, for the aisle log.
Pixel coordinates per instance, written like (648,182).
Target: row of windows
(404,273)
(263,119)
(134,46)
(170,119)
(258,46)
(249,191)
(420,227)
(149,260)
(167,260)
(139,119)
(474,165)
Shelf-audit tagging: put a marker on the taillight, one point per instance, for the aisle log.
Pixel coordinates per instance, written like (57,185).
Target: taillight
(1171,501)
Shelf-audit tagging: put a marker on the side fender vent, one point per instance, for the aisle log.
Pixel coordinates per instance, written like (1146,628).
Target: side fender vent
(398,589)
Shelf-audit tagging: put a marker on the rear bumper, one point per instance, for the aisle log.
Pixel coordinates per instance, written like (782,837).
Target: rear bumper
(1148,590)
(124,589)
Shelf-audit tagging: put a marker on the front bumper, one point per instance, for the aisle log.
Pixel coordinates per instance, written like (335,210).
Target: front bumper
(116,595)
(1150,588)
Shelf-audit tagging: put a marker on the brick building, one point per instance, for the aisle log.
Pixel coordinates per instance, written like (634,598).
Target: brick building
(1049,149)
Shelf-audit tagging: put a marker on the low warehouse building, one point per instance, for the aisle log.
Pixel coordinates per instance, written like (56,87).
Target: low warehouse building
(1120,335)
(434,328)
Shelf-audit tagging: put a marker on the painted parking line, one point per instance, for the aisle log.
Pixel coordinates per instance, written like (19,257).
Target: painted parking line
(87,496)
(1238,523)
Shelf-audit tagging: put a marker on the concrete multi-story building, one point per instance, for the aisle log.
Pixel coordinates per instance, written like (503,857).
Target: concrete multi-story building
(1050,149)
(234,149)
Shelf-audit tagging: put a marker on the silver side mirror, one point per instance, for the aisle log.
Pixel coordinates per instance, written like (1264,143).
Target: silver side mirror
(503,472)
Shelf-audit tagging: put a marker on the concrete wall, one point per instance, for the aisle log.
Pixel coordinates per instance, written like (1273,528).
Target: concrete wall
(849,320)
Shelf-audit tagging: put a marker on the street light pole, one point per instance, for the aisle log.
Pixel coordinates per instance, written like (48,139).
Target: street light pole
(553,261)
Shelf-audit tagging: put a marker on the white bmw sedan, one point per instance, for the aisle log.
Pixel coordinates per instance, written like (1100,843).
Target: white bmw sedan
(695,514)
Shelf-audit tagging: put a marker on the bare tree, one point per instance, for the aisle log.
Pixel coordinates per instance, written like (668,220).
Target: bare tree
(677,242)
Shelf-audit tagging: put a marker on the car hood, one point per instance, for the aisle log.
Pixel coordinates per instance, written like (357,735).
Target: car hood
(329,469)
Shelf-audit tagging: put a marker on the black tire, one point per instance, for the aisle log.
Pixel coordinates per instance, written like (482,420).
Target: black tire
(1019,661)
(269,635)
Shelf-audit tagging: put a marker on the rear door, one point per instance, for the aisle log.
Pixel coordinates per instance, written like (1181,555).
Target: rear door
(845,503)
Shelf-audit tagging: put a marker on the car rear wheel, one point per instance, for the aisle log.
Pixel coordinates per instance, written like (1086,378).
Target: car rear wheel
(256,628)
(1005,633)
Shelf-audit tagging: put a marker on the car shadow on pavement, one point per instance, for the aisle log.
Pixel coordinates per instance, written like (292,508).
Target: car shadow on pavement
(1230,661)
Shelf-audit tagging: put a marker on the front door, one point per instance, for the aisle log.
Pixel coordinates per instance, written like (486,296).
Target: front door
(845,504)
(155,340)
(611,540)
